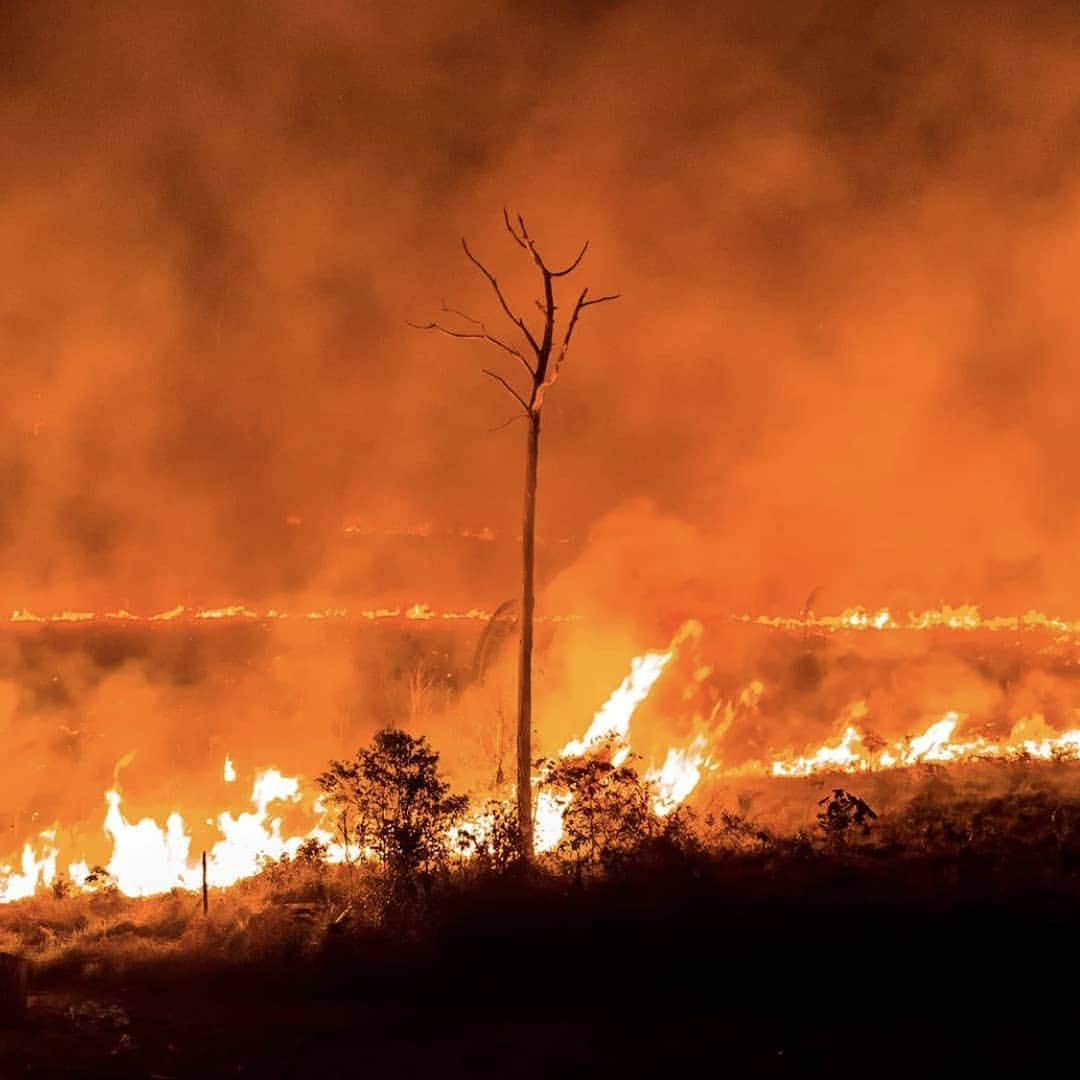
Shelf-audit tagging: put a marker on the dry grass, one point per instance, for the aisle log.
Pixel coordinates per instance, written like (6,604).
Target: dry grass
(964,833)
(278,913)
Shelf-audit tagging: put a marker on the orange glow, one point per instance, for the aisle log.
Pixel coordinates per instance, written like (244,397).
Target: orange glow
(149,859)
(150,856)
(611,724)
(36,869)
(610,728)
(947,617)
(678,776)
(936,744)
(244,613)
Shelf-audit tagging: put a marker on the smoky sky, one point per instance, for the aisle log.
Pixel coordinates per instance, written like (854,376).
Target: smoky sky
(844,357)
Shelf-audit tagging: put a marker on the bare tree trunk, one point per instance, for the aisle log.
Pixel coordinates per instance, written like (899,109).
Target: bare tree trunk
(542,356)
(528,603)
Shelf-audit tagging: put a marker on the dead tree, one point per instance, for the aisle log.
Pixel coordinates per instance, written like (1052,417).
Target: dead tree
(541,353)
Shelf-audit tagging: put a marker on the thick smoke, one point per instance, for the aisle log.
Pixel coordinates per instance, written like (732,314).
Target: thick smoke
(843,239)
(842,361)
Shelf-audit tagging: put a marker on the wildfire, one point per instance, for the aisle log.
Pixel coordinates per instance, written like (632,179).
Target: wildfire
(35,869)
(243,613)
(963,617)
(855,751)
(610,727)
(947,617)
(611,724)
(678,776)
(148,857)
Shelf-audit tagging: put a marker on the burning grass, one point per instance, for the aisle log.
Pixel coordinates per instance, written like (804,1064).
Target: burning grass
(977,827)
(702,727)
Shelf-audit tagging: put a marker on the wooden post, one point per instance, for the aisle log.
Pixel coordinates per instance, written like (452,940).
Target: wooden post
(205,897)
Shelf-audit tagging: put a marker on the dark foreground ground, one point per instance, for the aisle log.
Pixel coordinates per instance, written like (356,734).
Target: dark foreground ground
(846,969)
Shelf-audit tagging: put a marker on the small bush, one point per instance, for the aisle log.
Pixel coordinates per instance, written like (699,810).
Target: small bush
(843,814)
(609,816)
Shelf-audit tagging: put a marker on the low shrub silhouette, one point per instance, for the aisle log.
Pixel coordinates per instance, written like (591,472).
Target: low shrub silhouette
(608,815)
(843,814)
(390,805)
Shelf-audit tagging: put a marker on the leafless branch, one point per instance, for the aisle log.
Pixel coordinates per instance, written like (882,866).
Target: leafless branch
(544,365)
(461,314)
(521,235)
(499,379)
(578,307)
(511,230)
(519,322)
(583,302)
(574,265)
(474,335)
(507,423)
(488,336)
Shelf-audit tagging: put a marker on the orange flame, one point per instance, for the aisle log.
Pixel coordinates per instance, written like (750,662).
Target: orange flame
(36,870)
(678,776)
(946,617)
(245,613)
(854,752)
(148,857)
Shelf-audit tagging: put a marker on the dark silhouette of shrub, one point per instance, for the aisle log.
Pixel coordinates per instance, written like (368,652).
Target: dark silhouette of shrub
(609,816)
(494,843)
(841,814)
(389,804)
